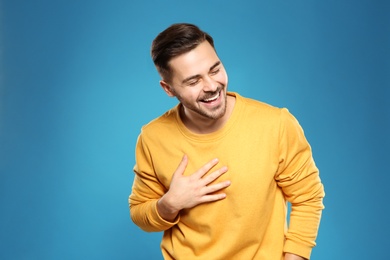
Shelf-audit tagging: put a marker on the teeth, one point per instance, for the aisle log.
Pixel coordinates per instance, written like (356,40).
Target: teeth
(212,98)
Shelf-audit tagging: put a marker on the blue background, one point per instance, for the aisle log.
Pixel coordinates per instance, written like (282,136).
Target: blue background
(77,83)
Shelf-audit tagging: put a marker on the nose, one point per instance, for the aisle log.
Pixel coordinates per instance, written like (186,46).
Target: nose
(209,84)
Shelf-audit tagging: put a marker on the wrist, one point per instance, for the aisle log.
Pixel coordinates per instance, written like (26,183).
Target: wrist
(289,256)
(166,209)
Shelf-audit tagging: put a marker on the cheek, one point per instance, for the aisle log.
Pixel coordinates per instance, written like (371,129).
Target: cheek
(191,93)
(222,78)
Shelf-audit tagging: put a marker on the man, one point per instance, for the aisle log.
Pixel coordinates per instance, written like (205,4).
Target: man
(214,173)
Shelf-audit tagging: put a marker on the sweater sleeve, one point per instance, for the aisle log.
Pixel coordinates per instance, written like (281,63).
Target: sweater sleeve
(146,191)
(299,179)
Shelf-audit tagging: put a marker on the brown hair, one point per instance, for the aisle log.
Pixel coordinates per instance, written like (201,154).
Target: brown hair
(176,40)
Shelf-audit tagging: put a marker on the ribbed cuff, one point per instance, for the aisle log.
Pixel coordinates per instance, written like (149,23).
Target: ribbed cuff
(297,249)
(161,223)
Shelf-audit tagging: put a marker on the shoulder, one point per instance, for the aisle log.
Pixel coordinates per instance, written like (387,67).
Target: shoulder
(265,115)
(253,107)
(162,124)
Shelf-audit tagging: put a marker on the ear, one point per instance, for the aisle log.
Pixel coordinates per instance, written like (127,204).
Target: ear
(167,88)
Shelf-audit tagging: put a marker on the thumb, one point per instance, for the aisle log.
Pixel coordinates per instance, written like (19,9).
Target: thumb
(182,166)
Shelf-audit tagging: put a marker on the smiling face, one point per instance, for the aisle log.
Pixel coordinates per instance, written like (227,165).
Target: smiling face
(199,82)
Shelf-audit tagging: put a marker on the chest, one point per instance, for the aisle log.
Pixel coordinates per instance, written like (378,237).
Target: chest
(251,159)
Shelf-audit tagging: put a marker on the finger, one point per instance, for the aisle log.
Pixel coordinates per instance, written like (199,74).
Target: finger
(182,166)
(215,175)
(216,187)
(214,197)
(205,168)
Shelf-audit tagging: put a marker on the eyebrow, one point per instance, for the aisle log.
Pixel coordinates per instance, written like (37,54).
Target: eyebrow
(197,75)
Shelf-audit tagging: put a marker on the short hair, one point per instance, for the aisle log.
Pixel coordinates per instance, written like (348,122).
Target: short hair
(177,39)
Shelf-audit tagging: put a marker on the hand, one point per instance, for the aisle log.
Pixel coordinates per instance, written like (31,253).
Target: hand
(189,191)
(289,256)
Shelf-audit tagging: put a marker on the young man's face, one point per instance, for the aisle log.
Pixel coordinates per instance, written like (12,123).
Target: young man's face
(199,82)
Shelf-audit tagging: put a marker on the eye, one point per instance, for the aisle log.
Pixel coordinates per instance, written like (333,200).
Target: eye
(193,82)
(215,71)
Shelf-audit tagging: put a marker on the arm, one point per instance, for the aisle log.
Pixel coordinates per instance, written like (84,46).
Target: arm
(299,179)
(153,207)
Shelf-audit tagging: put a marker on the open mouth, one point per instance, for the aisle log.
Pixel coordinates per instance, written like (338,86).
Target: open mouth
(211,99)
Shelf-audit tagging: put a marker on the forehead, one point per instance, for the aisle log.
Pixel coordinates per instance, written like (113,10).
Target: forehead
(194,62)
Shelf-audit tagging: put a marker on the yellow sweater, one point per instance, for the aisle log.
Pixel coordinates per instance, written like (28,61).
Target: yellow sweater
(269,162)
